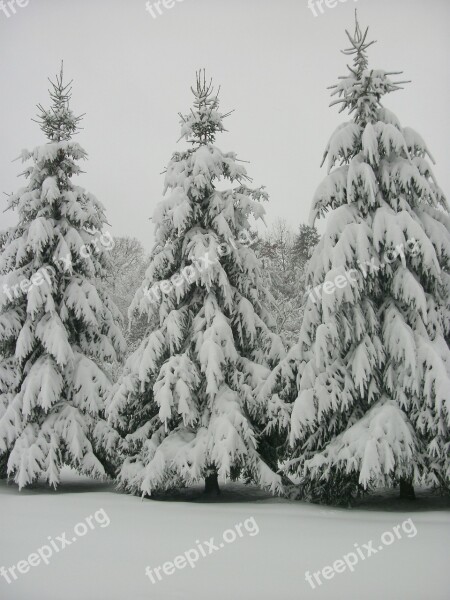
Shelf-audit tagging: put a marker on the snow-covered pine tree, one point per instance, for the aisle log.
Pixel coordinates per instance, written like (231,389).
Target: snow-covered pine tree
(186,400)
(303,245)
(57,325)
(369,378)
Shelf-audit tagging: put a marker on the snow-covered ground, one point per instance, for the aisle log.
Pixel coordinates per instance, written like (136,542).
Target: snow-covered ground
(108,562)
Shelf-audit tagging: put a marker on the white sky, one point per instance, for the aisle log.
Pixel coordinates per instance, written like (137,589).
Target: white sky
(273,60)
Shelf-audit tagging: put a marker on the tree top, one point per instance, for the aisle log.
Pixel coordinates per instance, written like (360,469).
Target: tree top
(58,122)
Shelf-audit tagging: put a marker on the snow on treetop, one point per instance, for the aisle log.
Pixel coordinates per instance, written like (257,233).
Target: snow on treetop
(204,120)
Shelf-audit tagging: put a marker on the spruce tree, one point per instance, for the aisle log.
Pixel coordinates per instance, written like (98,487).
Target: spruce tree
(368,381)
(304,243)
(186,401)
(58,327)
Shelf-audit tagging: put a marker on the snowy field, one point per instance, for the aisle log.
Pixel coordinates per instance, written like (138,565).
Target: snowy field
(266,562)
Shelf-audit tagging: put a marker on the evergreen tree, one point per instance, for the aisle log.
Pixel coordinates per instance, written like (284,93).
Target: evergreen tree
(186,400)
(275,252)
(57,325)
(369,378)
(303,245)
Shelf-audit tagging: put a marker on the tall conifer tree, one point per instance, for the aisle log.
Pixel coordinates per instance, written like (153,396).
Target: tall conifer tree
(186,400)
(368,381)
(58,327)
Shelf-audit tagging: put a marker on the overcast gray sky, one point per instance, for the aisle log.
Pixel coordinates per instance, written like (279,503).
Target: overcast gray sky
(273,60)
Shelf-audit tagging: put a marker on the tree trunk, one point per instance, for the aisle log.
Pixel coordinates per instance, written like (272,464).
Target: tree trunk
(407,489)
(212,484)
(4,466)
